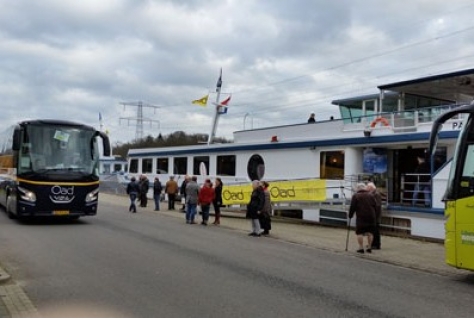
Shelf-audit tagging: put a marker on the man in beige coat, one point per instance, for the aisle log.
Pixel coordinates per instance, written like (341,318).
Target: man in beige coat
(171,189)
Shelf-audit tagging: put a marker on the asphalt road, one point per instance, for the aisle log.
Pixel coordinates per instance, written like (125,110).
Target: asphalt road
(146,265)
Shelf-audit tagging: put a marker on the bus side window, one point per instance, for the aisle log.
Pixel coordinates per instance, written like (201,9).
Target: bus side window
(466,184)
(468,169)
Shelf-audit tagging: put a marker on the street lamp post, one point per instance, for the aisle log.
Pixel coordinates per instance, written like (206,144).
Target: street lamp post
(251,119)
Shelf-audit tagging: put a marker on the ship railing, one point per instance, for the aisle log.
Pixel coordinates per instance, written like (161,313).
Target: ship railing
(406,120)
(413,186)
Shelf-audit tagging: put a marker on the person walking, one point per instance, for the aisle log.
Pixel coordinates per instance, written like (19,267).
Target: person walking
(144,187)
(133,189)
(217,203)
(265,216)
(206,197)
(257,200)
(157,189)
(363,206)
(371,188)
(192,191)
(182,191)
(171,189)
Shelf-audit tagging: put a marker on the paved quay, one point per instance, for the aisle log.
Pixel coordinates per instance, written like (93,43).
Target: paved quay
(14,303)
(402,251)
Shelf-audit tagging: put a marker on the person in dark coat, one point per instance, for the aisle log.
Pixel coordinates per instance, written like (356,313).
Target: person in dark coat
(144,186)
(371,188)
(255,206)
(265,216)
(157,189)
(133,189)
(363,205)
(182,191)
(217,201)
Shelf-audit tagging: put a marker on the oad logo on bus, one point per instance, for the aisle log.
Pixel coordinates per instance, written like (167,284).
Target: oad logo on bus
(62,194)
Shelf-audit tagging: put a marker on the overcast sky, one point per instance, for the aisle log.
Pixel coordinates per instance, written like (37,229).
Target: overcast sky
(281,59)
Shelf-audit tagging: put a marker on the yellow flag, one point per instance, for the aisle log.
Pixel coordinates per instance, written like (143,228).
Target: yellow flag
(202,101)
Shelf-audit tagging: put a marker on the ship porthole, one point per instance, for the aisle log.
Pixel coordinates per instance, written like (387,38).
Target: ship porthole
(256,167)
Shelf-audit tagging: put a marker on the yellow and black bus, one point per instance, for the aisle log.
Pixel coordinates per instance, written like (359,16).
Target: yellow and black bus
(50,168)
(459,195)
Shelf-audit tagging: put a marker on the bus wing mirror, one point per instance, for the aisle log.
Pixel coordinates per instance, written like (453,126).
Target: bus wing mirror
(105,143)
(16,139)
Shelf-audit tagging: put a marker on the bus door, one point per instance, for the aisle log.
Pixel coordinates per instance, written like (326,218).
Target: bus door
(460,206)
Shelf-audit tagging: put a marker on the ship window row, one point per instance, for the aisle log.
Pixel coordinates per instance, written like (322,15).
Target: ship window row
(225,165)
(331,165)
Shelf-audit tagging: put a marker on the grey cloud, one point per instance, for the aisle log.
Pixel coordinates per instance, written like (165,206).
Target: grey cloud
(281,59)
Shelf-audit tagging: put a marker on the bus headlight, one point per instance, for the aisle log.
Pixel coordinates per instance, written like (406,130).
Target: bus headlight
(27,195)
(92,196)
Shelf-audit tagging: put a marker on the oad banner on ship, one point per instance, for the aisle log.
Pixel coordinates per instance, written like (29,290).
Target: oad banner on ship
(280,191)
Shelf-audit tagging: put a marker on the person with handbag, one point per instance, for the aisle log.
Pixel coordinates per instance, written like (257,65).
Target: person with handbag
(206,197)
(182,192)
(265,216)
(254,207)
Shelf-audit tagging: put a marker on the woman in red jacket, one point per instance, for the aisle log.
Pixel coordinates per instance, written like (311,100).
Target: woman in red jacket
(205,198)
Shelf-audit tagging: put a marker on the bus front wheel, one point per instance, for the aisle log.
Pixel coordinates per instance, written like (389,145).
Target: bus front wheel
(8,208)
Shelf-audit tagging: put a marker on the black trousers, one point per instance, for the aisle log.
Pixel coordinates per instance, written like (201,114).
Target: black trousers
(143,200)
(265,222)
(171,199)
(376,241)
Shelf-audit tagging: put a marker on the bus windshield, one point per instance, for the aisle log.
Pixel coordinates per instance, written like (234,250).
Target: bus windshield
(57,148)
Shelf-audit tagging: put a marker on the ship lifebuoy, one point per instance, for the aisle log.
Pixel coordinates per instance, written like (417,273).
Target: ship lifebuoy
(381,120)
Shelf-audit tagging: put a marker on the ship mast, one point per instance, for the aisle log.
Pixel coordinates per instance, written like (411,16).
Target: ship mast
(212,135)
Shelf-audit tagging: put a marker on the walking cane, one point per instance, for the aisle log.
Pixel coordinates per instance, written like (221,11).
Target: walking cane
(349,223)
(347,237)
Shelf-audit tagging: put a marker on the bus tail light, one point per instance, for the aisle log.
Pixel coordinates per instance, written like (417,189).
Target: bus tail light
(92,196)
(27,195)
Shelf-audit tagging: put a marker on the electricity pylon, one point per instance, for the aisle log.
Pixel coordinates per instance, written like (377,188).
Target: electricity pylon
(139,119)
